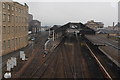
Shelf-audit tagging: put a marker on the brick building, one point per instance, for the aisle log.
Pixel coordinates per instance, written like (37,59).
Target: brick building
(13,26)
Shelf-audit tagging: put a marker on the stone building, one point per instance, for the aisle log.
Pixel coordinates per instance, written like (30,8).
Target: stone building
(13,26)
(30,17)
(35,26)
(94,25)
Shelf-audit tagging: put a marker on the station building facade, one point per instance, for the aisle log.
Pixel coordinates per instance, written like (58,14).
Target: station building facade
(13,26)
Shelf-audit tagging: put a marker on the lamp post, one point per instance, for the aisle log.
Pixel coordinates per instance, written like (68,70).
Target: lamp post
(49,32)
(53,35)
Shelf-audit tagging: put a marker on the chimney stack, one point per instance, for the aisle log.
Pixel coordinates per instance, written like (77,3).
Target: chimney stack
(113,25)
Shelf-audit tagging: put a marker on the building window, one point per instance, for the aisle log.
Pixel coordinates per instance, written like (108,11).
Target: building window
(4,29)
(12,29)
(3,5)
(24,28)
(19,41)
(8,18)
(16,19)
(25,19)
(4,45)
(8,43)
(0,30)
(13,44)
(16,42)
(12,18)
(16,29)
(19,28)
(8,29)
(16,9)
(8,6)
(19,10)
(4,17)
(21,19)
(12,8)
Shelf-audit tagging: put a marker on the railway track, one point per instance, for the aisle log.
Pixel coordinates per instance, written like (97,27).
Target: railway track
(50,67)
(68,65)
(102,69)
(26,71)
(39,72)
(54,62)
(38,63)
(71,69)
(71,59)
(112,69)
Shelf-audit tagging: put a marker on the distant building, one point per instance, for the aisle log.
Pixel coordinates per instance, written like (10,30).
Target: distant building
(117,26)
(35,26)
(55,27)
(30,17)
(13,26)
(114,27)
(111,30)
(44,28)
(94,25)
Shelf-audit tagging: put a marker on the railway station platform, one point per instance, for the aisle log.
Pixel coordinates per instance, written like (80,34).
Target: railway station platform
(108,46)
(102,39)
(112,53)
(94,39)
(55,44)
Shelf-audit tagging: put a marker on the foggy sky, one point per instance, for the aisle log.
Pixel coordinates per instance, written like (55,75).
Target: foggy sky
(50,13)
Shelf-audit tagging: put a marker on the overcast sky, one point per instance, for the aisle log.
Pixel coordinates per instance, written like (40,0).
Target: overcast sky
(50,13)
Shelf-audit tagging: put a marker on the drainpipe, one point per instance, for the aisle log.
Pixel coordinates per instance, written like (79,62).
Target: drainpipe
(113,25)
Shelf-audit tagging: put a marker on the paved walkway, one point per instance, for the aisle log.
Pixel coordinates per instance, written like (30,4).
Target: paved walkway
(112,53)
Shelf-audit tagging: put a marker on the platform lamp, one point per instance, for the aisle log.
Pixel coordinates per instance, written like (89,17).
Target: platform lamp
(53,35)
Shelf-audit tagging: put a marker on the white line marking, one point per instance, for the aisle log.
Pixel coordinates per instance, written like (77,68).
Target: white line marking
(100,63)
